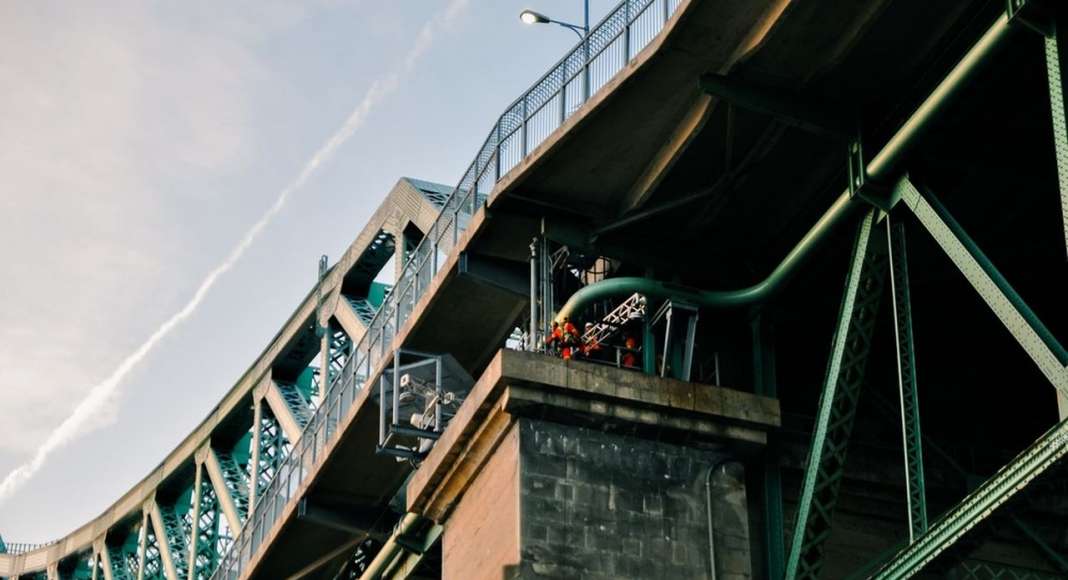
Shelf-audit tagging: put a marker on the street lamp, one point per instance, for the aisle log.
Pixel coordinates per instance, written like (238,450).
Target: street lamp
(531,17)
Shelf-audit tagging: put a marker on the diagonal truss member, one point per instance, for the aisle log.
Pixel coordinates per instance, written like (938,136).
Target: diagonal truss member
(838,401)
(916,495)
(1039,343)
(997,490)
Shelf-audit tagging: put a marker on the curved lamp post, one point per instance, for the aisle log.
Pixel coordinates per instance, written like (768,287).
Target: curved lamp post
(528,16)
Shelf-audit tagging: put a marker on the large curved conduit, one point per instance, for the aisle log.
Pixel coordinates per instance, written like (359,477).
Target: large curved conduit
(883,167)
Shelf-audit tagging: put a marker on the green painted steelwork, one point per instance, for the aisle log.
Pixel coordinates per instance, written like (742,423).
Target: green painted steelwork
(1008,306)
(972,569)
(177,531)
(883,167)
(1051,24)
(842,208)
(916,494)
(764,383)
(377,293)
(979,504)
(211,542)
(273,448)
(825,465)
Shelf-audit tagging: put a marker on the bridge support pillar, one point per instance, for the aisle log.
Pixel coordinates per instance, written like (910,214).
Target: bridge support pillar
(529,483)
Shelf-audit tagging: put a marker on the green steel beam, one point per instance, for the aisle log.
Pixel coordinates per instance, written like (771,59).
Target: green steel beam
(764,384)
(916,494)
(979,504)
(972,569)
(1056,46)
(1048,19)
(1008,306)
(825,465)
(1051,554)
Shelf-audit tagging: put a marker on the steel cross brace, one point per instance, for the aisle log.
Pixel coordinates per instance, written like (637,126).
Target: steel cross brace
(838,401)
(906,376)
(1039,343)
(979,504)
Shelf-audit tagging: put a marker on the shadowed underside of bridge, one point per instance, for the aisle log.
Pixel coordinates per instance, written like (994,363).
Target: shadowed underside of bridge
(700,163)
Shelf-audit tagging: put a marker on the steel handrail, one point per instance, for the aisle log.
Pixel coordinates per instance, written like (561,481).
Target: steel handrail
(462,204)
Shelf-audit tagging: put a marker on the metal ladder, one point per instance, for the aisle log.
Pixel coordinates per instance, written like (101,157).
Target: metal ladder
(630,309)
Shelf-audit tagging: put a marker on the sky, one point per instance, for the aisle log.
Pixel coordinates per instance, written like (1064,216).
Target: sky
(144,145)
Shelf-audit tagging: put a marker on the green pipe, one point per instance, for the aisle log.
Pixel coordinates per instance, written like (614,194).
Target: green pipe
(885,163)
(883,166)
(842,208)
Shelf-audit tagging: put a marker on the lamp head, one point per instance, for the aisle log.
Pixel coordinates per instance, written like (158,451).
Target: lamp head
(531,17)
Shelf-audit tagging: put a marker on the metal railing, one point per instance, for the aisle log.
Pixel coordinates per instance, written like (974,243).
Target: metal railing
(621,35)
(16,548)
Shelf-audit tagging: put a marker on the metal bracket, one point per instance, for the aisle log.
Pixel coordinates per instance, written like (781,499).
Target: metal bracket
(880,196)
(1034,14)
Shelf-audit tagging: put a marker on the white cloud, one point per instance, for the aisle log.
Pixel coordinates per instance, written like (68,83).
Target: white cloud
(98,405)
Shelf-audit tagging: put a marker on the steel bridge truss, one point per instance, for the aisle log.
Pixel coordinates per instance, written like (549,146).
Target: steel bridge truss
(839,396)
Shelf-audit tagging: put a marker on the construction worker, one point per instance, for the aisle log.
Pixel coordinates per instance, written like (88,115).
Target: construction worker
(630,354)
(556,338)
(569,339)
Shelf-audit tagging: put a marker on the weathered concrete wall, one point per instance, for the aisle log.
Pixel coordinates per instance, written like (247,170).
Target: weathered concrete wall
(600,505)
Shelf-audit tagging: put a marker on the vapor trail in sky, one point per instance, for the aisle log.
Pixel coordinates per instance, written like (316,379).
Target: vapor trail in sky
(85,415)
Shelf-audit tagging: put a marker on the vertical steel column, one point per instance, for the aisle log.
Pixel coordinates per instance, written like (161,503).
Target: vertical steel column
(1055,56)
(142,544)
(764,384)
(532,338)
(257,444)
(915,487)
(838,402)
(194,512)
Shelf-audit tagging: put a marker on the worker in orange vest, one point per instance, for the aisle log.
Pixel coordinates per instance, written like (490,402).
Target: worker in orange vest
(630,355)
(556,338)
(570,339)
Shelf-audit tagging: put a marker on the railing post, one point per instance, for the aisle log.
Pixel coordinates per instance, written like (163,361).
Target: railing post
(497,163)
(522,133)
(666,11)
(626,32)
(586,67)
(563,92)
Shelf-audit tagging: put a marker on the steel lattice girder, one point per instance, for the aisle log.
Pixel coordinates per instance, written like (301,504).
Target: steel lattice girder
(838,401)
(907,386)
(978,505)
(983,570)
(1043,349)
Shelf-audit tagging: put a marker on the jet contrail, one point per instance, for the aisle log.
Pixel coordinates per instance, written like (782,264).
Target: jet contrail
(81,420)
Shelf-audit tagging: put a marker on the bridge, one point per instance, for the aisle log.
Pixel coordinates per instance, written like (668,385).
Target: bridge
(822,248)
